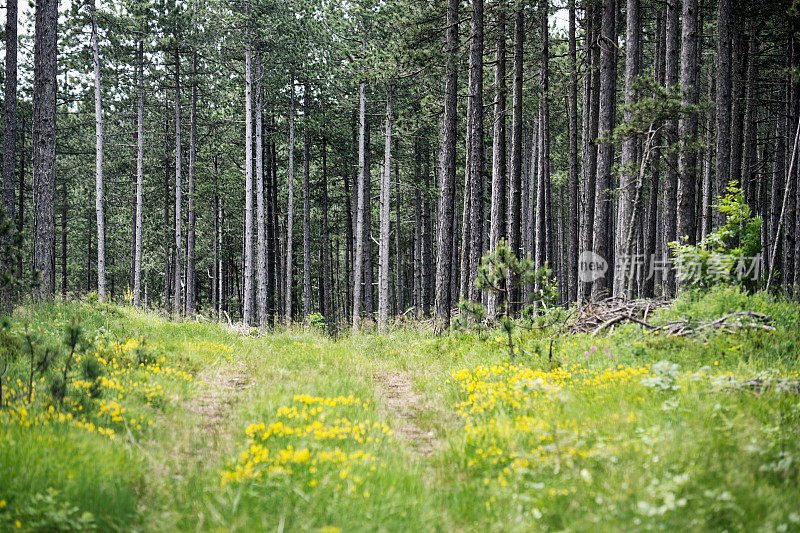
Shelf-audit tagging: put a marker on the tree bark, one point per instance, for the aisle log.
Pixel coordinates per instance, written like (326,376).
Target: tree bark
(329,302)
(99,196)
(723,104)
(605,151)
(358,262)
(514,216)
(191,277)
(177,270)
(476,149)
(9,142)
(288,271)
(44,143)
(497,226)
(572,210)
(137,256)
(447,171)
(247,302)
(543,233)
(687,126)
(306,205)
(261,238)
(385,202)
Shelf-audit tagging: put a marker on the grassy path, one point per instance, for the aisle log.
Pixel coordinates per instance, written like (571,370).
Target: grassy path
(403,406)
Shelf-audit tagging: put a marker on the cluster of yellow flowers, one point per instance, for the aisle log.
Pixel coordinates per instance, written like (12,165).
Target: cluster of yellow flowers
(312,441)
(122,375)
(516,417)
(211,348)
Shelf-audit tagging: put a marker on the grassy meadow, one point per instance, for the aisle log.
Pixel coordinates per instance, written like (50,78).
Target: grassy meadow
(191,426)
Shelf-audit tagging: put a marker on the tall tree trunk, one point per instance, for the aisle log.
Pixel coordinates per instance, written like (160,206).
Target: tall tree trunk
(672,64)
(99,196)
(306,206)
(723,103)
(739,60)
(514,217)
(591,89)
(261,239)
(45,50)
(248,307)
(64,208)
(369,294)
(447,171)
(418,232)
(191,276)
(708,164)
(543,221)
(217,248)
(176,271)
(572,211)
(628,173)
(398,237)
(169,238)
(288,271)
(749,146)
(9,140)
(476,149)
(687,125)
(428,267)
(605,151)
(497,226)
(329,302)
(358,262)
(385,203)
(137,255)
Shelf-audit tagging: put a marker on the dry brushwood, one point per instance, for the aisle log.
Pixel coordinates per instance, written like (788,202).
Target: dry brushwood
(601,316)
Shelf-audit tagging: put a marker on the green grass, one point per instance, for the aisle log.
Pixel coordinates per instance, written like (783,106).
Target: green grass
(604,439)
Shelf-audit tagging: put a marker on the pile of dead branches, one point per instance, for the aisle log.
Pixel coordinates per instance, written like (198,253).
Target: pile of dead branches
(605,315)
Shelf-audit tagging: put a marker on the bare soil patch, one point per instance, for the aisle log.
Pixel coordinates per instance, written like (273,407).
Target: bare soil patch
(405,404)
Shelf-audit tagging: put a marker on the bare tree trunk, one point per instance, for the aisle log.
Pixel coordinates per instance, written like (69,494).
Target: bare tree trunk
(383,238)
(306,205)
(628,172)
(329,302)
(428,267)
(137,261)
(476,149)
(591,89)
(670,201)
(99,197)
(176,272)
(9,142)
(723,103)
(447,163)
(288,271)
(369,275)
(217,248)
(247,302)
(514,217)
(739,59)
(749,146)
(708,164)
(418,232)
(499,156)
(44,143)
(261,239)
(358,262)
(543,221)
(191,289)
(573,209)
(605,156)
(398,237)
(169,238)
(687,126)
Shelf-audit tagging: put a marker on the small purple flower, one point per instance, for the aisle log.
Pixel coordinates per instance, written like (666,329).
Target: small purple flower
(593,348)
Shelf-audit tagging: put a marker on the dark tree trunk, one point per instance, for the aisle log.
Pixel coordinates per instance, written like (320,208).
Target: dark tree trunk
(572,210)
(514,216)
(687,126)
(723,104)
(476,148)
(191,289)
(306,206)
(45,50)
(177,269)
(447,171)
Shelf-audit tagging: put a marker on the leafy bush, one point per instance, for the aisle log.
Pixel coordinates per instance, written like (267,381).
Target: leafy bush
(730,255)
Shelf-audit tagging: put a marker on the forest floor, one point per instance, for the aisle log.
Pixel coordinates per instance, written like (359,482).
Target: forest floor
(195,426)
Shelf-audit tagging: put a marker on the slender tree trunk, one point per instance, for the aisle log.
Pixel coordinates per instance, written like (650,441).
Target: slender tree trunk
(723,104)
(708,180)
(398,237)
(216,253)
(191,277)
(306,206)
(672,64)
(168,237)
(629,169)
(447,172)
(418,232)
(499,187)
(573,209)
(64,208)
(329,302)
(45,50)
(543,221)
(369,294)
(750,125)
(261,242)
(288,271)
(385,203)
(605,156)
(9,142)
(739,60)
(514,217)
(99,197)
(248,307)
(358,262)
(137,255)
(428,266)
(176,271)
(476,149)
(687,126)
